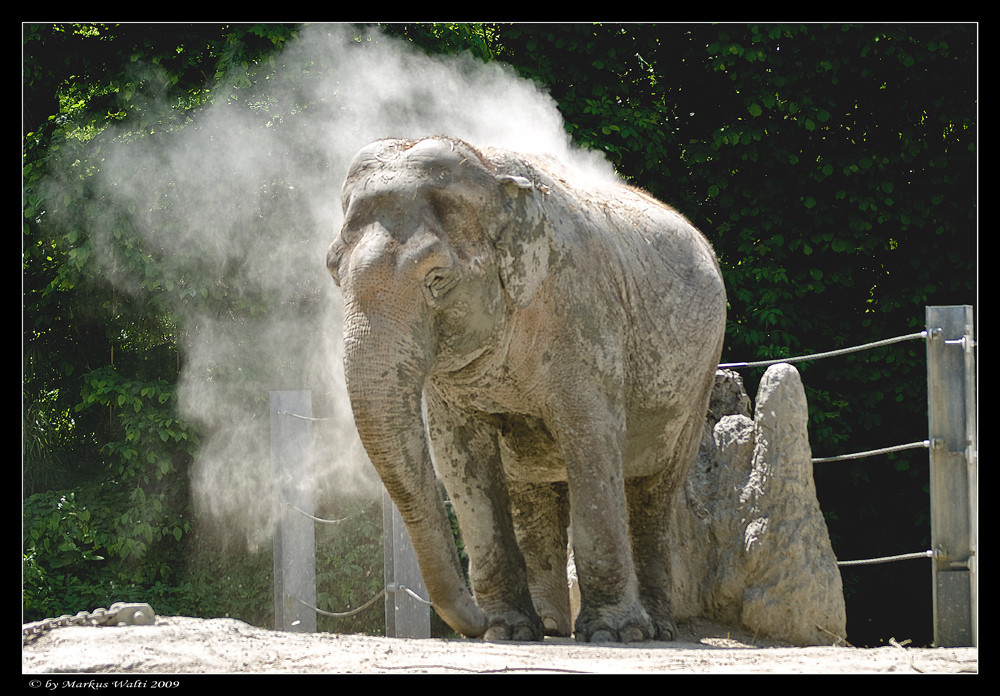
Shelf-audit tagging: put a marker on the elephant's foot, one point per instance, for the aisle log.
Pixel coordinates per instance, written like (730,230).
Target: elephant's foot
(513,626)
(665,629)
(659,611)
(621,623)
(556,622)
(553,627)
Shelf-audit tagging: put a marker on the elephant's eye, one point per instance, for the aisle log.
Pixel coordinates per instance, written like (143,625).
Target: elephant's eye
(440,281)
(348,229)
(349,233)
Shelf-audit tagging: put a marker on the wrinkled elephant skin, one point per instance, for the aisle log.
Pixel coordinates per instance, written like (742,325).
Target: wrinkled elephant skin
(546,348)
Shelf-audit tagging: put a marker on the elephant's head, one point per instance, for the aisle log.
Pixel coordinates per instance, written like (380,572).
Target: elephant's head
(438,247)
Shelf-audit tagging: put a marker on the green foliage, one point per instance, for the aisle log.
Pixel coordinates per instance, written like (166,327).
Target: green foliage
(77,555)
(609,90)
(448,38)
(122,529)
(349,571)
(106,456)
(215,581)
(147,415)
(60,534)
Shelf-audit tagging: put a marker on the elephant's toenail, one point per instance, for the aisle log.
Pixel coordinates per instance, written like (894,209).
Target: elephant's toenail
(496,633)
(632,634)
(522,632)
(602,636)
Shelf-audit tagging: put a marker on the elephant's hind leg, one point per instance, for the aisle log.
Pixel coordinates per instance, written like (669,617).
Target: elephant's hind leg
(651,501)
(540,521)
(649,513)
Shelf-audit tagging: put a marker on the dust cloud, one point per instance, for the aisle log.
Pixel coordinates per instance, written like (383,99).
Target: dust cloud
(239,205)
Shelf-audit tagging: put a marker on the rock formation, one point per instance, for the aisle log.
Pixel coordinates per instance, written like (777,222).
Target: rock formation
(752,549)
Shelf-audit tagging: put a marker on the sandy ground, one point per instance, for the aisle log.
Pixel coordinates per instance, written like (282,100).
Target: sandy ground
(179,645)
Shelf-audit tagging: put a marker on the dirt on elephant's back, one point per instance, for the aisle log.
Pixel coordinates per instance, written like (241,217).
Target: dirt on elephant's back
(180,645)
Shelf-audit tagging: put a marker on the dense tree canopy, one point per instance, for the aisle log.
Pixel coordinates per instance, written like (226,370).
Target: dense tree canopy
(833,167)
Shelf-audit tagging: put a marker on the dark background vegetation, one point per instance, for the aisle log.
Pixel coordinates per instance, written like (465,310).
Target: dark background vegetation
(833,167)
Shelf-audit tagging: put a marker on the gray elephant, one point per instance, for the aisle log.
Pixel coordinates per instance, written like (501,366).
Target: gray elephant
(548,350)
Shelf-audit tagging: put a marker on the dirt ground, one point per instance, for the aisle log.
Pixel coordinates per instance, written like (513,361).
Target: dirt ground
(180,645)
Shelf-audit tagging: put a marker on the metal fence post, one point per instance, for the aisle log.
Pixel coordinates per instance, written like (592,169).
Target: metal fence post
(951,416)
(294,532)
(405,616)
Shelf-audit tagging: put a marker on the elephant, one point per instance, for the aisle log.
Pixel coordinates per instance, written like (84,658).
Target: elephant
(543,344)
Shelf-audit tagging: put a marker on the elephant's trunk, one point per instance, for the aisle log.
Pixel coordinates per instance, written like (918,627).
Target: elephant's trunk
(386,365)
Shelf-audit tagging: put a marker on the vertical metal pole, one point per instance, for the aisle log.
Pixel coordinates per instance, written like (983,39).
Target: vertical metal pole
(951,415)
(405,616)
(294,532)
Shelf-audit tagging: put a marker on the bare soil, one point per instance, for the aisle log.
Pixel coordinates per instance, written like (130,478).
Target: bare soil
(181,645)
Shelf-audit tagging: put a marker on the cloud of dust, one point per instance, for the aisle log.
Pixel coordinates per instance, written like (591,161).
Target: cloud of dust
(245,200)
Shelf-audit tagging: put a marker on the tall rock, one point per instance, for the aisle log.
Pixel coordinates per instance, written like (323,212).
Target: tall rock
(751,547)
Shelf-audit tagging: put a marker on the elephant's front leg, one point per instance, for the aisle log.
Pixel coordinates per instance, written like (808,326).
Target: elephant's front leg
(590,433)
(468,459)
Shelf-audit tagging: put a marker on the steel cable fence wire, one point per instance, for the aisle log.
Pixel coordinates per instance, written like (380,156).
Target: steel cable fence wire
(840,351)
(320,520)
(923,444)
(392,587)
(341,614)
(888,559)
(857,455)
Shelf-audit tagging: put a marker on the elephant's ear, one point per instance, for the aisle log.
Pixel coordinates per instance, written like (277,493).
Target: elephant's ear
(523,239)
